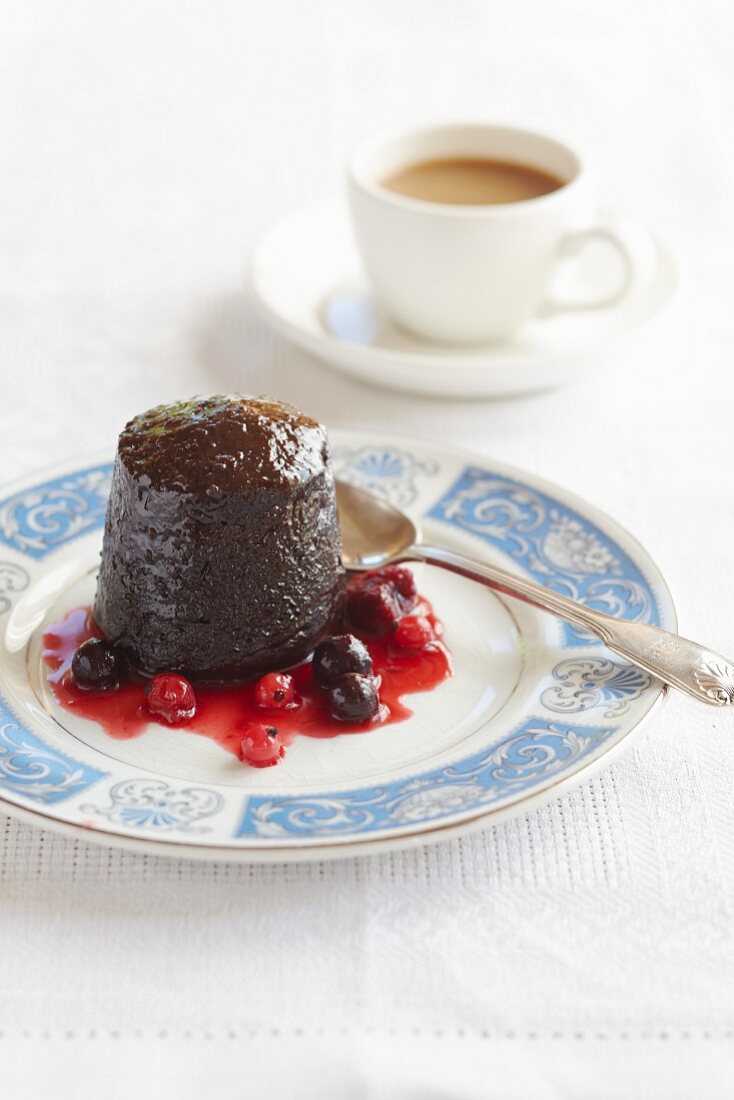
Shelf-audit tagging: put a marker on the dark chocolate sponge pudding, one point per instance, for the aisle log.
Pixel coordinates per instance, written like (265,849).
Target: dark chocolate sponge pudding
(221,554)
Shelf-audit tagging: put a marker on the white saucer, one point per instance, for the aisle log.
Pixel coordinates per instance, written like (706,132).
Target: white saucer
(305,278)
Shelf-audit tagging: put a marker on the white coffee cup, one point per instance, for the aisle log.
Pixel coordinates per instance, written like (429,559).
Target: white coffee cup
(475,273)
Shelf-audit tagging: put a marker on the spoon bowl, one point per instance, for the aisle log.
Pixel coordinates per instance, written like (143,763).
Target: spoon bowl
(373,531)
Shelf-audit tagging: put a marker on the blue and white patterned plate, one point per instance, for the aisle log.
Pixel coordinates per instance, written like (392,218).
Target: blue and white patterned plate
(535,704)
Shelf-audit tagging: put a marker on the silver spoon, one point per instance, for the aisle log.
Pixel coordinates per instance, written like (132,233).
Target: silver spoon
(375,533)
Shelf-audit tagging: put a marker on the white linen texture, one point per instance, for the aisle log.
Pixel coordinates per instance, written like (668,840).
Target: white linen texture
(581,950)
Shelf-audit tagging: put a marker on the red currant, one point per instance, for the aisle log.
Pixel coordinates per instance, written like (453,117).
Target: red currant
(261,745)
(413,632)
(275,690)
(171,697)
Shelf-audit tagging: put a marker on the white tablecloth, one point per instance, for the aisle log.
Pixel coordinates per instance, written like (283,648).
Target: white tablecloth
(584,950)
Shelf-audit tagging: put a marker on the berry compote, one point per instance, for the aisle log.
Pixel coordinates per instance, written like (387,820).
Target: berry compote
(360,678)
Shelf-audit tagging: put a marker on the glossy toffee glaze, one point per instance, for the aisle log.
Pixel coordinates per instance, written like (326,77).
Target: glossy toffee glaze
(213,445)
(220,557)
(223,710)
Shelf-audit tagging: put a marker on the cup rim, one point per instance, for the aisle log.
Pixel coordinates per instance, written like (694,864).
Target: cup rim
(359,177)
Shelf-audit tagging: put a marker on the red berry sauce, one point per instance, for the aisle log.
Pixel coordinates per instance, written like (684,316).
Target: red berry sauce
(225,711)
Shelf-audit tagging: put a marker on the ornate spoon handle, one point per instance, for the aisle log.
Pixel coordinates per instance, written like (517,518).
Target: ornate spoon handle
(692,668)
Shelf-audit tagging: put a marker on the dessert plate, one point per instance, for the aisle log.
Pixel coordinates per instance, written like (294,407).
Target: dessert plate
(533,707)
(305,279)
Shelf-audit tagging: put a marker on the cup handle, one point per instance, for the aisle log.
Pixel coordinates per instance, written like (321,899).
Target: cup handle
(631,243)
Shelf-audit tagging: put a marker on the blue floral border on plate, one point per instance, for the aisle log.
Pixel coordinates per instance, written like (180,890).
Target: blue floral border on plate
(44,517)
(30,767)
(534,753)
(556,545)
